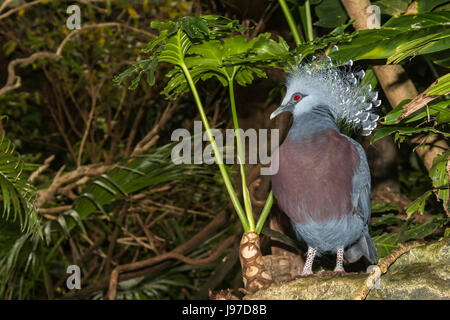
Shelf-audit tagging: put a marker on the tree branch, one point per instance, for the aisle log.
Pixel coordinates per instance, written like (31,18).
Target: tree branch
(22,7)
(200,237)
(14,81)
(39,170)
(158,259)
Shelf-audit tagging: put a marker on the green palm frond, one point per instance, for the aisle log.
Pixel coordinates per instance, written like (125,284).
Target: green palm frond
(17,194)
(149,169)
(29,256)
(130,176)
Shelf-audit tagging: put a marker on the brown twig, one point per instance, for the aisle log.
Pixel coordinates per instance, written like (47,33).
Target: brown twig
(151,137)
(14,81)
(98,241)
(174,208)
(147,233)
(383,266)
(49,193)
(200,237)
(62,131)
(95,90)
(60,101)
(101,25)
(158,259)
(133,131)
(17,9)
(54,209)
(39,170)
(418,102)
(139,240)
(219,272)
(112,242)
(4,4)
(68,189)
(268,12)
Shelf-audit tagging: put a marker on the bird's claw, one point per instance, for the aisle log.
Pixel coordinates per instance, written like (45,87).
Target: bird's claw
(338,272)
(305,274)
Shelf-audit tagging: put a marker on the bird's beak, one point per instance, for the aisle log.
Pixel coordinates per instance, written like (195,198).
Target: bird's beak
(280,109)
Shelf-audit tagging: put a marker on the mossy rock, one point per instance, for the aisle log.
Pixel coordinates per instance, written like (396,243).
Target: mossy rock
(421,273)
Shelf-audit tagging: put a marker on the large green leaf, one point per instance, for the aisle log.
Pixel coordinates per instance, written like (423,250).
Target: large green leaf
(430,43)
(378,207)
(428,5)
(331,14)
(195,27)
(414,123)
(385,243)
(187,43)
(403,131)
(441,58)
(392,8)
(261,51)
(441,87)
(172,44)
(227,59)
(175,48)
(418,205)
(440,110)
(439,175)
(399,38)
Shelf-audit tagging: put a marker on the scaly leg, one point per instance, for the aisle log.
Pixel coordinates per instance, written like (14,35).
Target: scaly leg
(339,260)
(307,269)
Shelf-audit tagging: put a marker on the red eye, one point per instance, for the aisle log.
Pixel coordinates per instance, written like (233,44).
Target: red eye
(297,97)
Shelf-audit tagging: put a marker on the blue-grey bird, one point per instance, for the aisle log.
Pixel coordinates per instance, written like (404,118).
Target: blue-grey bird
(323,178)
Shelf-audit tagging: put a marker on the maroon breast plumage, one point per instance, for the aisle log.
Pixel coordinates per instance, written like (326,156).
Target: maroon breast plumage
(314,180)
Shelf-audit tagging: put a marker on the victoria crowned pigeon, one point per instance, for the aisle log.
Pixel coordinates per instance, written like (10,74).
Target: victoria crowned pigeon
(323,178)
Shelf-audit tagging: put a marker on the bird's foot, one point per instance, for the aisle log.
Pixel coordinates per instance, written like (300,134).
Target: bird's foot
(305,273)
(338,271)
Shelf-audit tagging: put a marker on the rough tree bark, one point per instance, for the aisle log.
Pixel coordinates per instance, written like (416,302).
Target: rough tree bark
(254,273)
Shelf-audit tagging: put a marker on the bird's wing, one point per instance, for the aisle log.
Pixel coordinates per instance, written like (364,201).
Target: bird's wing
(361,185)
(361,203)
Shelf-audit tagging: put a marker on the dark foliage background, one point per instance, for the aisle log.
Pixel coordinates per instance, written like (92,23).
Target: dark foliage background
(85,168)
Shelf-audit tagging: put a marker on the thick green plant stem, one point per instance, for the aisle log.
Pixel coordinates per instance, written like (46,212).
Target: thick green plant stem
(291,22)
(305,14)
(265,212)
(232,193)
(246,195)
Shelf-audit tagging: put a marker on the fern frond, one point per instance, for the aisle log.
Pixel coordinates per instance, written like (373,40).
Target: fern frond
(17,195)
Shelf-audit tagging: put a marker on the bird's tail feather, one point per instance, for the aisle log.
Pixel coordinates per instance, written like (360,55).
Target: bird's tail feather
(364,247)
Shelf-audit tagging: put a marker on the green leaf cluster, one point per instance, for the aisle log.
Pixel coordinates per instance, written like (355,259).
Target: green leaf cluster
(387,242)
(18,196)
(399,38)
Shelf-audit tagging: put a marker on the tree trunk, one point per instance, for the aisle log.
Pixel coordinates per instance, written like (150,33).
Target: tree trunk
(395,82)
(254,273)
